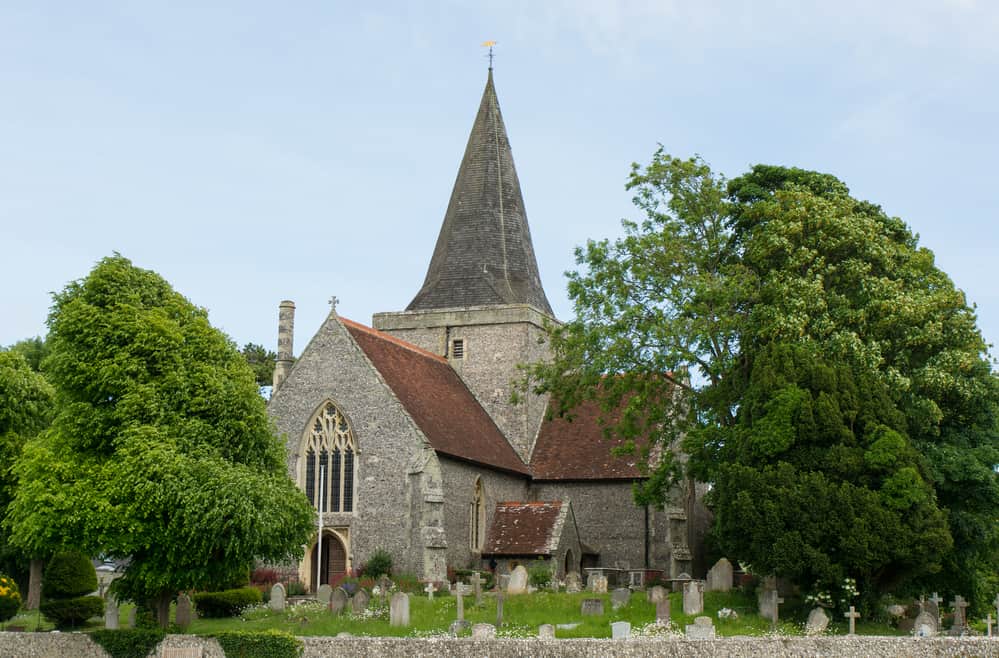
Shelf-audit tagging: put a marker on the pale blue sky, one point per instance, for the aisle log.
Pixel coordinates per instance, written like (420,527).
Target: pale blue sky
(251,152)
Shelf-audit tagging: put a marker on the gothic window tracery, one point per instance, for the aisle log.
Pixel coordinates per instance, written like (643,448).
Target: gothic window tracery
(329,451)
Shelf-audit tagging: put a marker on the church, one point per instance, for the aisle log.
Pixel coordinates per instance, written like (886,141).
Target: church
(403,435)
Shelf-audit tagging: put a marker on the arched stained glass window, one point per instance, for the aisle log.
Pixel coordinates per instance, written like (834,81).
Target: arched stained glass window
(329,451)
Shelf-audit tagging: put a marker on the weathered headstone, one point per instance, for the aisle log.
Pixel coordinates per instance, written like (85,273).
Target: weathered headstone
(620,598)
(111,613)
(662,610)
(324,593)
(933,607)
(184,612)
(960,619)
(680,581)
(278,597)
(477,581)
(430,589)
(459,626)
(460,592)
(399,609)
(656,594)
(483,631)
(518,581)
(693,597)
(546,632)
(765,599)
(597,583)
(988,625)
(338,601)
(503,581)
(620,630)
(853,615)
(384,584)
(573,582)
(925,625)
(499,609)
(720,576)
(817,622)
(701,629)
(592,607)
(359,602)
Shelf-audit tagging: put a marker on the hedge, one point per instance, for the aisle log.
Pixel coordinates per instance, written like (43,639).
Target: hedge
(228,603)
(129,642)
(260,644)
(71,612)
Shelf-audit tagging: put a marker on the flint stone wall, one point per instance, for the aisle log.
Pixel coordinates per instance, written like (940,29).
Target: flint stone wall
(79,645)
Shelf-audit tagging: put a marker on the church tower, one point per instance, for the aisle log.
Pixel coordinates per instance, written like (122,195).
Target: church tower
(482,305)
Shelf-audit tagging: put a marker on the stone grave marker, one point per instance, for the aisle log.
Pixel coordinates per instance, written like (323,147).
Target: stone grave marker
(988,625)
(701,629)
(399,609)
(853,615)
(546,632)
(384,585)
(460,591)
(518,581)
(662,609)
(680,581)
(184,612)
(324,593)
(111,613)
(933,607)
(656,593)
(597,583)
(960,619)
(338,601)
(483,631)
(503,581)
(459,626)
(620,630)
(131,617)
(430,589)
(477,581)
(693,597)
(499,609)
(573,582)
(620,598)
(765,602)
(817,622)
(592,607)
(278,597)
(925,625)
(720,576)
(777,600)
(359,602)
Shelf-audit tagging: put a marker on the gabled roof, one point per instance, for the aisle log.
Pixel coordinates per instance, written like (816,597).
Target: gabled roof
(577,449)
(437,400)
(520,528)
(484,254)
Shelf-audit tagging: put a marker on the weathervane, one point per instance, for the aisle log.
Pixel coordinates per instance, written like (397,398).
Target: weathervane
(489,44)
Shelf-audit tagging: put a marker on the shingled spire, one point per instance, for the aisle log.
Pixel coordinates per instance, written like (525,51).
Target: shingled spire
(484,255)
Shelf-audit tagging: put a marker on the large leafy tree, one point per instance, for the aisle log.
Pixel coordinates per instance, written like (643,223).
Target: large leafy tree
(161,450)
(828,378)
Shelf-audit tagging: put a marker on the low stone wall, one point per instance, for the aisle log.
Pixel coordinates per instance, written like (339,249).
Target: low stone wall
(78,645)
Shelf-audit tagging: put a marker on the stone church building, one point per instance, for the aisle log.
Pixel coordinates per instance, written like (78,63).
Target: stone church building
(404,433)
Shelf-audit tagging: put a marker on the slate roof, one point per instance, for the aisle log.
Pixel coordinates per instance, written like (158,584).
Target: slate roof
(577,450)
(437,400)
(521,528)
(484,254)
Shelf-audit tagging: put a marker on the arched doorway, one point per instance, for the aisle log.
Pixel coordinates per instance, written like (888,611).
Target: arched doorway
(334,562)
(570,564)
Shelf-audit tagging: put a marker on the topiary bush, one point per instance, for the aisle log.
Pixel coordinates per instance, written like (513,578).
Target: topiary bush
(68,575)
(129,642)
(379,563)
(10,598)
(228,603)
(72,612)
(260,644)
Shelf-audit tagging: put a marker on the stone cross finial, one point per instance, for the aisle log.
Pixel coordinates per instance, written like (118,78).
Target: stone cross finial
(333,302)
(430,589)
(853,615)
(936,598)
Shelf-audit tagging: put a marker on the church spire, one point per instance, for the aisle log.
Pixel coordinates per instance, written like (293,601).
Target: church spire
(484,255)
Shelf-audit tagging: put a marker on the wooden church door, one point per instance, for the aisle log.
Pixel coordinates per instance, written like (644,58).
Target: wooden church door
(334,562)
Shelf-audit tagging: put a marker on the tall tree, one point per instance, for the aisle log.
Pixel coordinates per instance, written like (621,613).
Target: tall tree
(161,449)
(261,361)
(34,350)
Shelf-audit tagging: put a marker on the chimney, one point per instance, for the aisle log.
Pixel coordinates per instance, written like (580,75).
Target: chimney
(286,335)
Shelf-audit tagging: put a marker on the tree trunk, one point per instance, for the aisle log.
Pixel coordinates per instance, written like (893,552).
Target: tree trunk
(163,609)
(34,585)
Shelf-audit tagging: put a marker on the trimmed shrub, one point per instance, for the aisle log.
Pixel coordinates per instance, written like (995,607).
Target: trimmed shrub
(294,588)
(379,563)
(72,612)
(129,642)
(228,603)
(540,573)
(10,598)
(260,644)
(68,575)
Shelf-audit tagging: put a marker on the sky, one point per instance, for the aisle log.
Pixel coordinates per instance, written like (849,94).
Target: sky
(251,152)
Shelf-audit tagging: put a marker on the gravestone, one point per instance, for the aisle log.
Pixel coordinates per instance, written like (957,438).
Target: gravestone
(483,631)
(459,626)
(701,629)
(925,625)
(477,582)
(766,603)
(546,632)
(620,598)
(720,576)
(338,601)
(324,593)
(988,624)
(960,619)
(430,589)
(399,609)
(592,607)
(620,630)
(111,613)
(853,615)
(680,581)
(278,597)
(502,581)
(573,582)
(499,609)
(597,583)
(384,585)
(518,581)
(693,597)
(933,607)
(656,594)
(817,622)
(184,612)
(359,602)
(131,616)
(662,610)
(460,591)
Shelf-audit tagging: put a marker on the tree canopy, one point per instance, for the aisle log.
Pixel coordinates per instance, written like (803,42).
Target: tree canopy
(161,449)
(261,361)
(819,369)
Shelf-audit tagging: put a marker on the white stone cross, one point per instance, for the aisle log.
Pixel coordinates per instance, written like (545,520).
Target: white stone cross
(937,599)
(853,615)
(430,589)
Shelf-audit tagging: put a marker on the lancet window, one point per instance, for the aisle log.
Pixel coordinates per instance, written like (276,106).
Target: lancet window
(477,518)
(329,461)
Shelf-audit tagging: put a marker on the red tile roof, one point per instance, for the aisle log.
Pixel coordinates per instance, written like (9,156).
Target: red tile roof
(577,450)
(525,528)
(437,400)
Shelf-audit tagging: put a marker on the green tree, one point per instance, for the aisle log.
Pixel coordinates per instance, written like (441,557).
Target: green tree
(161,449)
(34,350)
(261,362)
